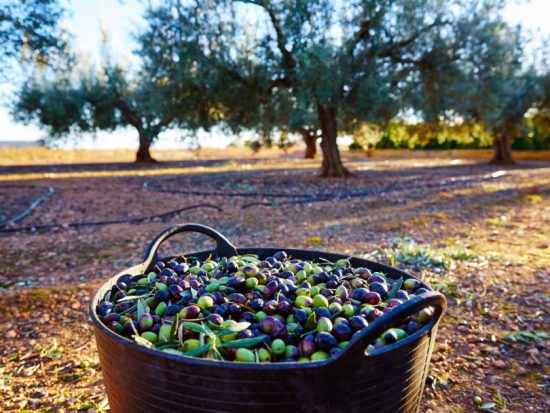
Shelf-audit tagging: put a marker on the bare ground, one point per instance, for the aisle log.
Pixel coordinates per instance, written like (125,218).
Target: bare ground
(481,235)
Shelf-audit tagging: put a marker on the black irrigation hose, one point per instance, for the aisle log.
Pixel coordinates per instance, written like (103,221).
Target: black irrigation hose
(111,222)
(224,194)
(360,194)
(299,199)
(30,207)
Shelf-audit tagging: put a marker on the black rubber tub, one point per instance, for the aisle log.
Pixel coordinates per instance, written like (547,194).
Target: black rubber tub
(139,379)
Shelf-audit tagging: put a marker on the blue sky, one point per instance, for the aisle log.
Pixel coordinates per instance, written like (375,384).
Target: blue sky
(123,17)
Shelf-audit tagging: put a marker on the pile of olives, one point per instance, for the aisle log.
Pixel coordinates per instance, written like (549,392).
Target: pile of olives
(248,309)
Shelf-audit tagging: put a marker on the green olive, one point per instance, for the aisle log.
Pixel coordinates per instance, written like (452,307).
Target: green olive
(164,332)
(320,301)
(342,344)
(205,301)
(161,286)
(319,356)
(264,355)
(190,344)
(143,282)
(348,309)
(212,287)
(278,346)
(252,282)
(150,336)
(245,355)
(260,315)
(302,291)
(161,309)
(303,301)
(324,324)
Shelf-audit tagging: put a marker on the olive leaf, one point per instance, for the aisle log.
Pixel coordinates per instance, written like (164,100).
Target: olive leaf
(129,310)
(163,346)
(198,351)
(244,342)
(311,321)
(243,325)
(174,327)
(142,308)
(195,327)
(395,289)
(209,332)
(180,333)
(142,342)
(132,297)
(336,315)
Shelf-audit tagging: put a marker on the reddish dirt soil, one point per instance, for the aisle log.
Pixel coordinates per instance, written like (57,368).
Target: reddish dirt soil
(481,235)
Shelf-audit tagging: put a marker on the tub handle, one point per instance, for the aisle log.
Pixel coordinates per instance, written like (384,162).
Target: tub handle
(224,248)
(358,344)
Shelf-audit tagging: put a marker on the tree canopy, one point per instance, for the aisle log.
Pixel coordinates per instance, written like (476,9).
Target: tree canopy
(30,26)
(316,65)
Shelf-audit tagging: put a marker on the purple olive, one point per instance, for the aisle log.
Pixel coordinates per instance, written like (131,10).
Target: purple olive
(300,315)
(280,256)
(215,319)
(104,308)
(284,308)
(111,317)
(341,331)
(371,297)
(256,304)
(307,346)
(358,293)
(274,327)
(380,288)
(161,295)
(232,266)
(237,298)
(190,312)
(364,273)
(171,310)
(394,302)
(270,306)
(116,327)
(325,341)
(358,322)
(271,289)
(238,283)
(248,316)
(175,291)
(376,279)
(403,295)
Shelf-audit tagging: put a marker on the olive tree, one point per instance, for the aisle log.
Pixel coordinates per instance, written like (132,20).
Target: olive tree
(76,101)
(341,63)
(487,79)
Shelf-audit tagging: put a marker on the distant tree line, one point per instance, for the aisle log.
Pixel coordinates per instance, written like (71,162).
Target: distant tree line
(318,69)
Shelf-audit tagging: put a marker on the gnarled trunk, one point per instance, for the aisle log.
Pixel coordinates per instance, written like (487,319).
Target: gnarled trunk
(143,154)
(310,139)
(503,148)
(332,166)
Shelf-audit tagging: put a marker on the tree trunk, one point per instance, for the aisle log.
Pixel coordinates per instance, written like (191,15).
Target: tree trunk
(143,155)
(332,166)
(503,149)
(310,138)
